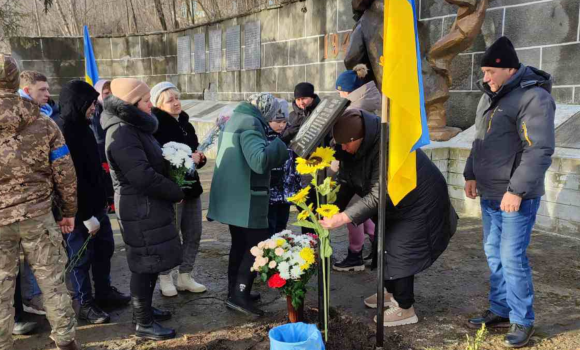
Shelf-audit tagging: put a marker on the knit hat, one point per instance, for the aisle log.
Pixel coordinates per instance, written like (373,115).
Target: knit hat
(158,89)
(266,103)
(281,114)
(9,74)
(100,86)
(501,54)
(352,79)
(129,90)
(304,90)
(349,127)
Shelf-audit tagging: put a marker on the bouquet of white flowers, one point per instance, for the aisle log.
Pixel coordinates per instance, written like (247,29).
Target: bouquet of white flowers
(287,262)
(179,157)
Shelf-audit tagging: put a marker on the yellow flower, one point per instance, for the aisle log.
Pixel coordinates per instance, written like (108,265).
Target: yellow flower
(280,242)
(308,255)
(301,196)
(304,214)
(320,159)
(328,210)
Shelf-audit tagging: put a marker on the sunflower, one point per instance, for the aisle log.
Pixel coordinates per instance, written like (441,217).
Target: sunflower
(301,196)
(328,210)
(320,159)
(304,214)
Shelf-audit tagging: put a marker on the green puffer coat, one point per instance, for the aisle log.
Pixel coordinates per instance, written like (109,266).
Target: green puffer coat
(241,181)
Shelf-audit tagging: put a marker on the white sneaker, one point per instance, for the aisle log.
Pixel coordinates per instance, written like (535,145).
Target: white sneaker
(167,286)
(372,300)
(186,283)
(395,316)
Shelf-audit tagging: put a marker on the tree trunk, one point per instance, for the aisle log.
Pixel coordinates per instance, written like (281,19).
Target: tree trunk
(67,30)
(190,13)
(128,18)
(75,19)
(175,21)
(37,18)
(134,16)
(160,14)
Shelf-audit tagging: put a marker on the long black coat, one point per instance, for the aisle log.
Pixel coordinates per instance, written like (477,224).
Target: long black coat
(75,99)
(172,130)
(419,228)
(144,195)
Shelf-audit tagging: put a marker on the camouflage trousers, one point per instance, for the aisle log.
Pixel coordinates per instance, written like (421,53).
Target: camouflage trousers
(41,241)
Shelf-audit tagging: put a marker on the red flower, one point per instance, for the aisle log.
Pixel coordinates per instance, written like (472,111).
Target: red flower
(276,281)
(105,166)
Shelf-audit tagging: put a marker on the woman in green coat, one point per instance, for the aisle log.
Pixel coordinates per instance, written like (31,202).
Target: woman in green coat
(240,190)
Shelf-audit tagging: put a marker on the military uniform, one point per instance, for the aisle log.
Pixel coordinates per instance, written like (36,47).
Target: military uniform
(35,169)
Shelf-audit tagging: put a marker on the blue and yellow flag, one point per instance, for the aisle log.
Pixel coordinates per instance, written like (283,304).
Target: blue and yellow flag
(91,71)
(403,85)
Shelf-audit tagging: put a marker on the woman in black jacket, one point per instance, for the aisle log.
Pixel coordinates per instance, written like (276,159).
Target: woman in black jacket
(144,198)
(417,230)
(174,126)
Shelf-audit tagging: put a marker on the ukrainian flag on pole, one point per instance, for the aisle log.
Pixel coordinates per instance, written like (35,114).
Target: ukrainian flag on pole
(91,71)
(403,85)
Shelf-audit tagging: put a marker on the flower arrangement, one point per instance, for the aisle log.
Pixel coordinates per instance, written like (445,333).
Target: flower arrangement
(325,191)
(211,137)
(286,262)
(179,157)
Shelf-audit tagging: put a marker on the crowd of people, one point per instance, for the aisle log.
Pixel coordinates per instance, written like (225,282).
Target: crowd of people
(66,166)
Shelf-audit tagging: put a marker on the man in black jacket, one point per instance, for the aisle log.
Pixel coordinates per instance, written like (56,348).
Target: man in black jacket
(77,104)
(510,156)
(305,101)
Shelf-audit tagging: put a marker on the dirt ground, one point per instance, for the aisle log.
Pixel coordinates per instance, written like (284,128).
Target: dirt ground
(449,292)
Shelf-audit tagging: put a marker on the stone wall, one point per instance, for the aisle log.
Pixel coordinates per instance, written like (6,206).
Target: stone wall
(546,34)
(296,46)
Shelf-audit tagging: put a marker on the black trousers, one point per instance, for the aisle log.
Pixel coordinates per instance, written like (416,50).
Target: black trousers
(403,290)
(278,215)
(18,307)
(143,285)
(241,261)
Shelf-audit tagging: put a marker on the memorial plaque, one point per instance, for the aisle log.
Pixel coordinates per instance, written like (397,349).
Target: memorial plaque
(215,50)
(318,125)
(252,51)
(233,48)
(183,55)
(199,53)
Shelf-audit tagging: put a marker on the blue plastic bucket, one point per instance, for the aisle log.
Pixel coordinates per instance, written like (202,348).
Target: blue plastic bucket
(296,336)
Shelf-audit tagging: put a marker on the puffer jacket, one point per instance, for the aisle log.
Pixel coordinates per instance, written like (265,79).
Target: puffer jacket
(144,195)
(366,97)
(35,164)
(298,117)
(515,137)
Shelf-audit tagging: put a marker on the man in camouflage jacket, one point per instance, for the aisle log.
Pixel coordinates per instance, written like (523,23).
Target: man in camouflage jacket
(35,168)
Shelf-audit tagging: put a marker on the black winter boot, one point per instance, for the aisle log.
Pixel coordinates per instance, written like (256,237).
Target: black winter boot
(353,262)
(158,315)
(146,326)
(241,301)
(254,296)
(91,313)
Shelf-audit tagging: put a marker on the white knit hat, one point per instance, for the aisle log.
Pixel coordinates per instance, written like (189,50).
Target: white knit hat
(158,89)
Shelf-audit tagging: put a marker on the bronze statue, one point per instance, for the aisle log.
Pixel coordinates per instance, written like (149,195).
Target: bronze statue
(366,46)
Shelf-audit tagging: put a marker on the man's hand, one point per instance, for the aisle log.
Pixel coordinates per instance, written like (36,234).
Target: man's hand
(510,202)
(93,225)
(471,189)
(335,221)
(67,225)
(197,157)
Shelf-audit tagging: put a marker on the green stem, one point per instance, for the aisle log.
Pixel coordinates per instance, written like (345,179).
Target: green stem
(325,298)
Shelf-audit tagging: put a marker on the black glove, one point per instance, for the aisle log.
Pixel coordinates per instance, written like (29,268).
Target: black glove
(288,137)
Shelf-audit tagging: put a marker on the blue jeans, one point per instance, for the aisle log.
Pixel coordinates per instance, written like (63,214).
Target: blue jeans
(506,237)
(33,288)
(97,258)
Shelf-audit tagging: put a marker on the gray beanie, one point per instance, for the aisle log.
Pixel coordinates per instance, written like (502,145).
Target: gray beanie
(282,111)
(266,103)
(158,89)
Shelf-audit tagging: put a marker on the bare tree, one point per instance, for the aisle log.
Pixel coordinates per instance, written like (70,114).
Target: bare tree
(37,17)
(160,14)
(65,26)
(134,16)
(174,12)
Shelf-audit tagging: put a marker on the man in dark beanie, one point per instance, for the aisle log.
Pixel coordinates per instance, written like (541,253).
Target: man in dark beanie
(510,155)
(418,230)
(305,101)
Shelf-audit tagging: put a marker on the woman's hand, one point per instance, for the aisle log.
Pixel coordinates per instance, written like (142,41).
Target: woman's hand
(335,221)
(196,156)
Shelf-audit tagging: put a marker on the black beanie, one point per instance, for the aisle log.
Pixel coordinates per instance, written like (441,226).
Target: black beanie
(501,54)
(304,90)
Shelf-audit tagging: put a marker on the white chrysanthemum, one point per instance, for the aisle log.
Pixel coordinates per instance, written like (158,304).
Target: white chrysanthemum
(296,272)
(188,163)
(284,270)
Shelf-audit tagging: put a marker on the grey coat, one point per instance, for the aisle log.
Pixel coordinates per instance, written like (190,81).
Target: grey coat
(366,97)
(144,195)
(514,139)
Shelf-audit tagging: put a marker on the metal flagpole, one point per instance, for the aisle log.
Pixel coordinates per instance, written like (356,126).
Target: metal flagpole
(382,223)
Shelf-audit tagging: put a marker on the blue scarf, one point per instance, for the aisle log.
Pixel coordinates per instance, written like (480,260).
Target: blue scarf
(44,109)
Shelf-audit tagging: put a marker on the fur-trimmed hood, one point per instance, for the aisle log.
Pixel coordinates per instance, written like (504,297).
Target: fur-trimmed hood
(118,111)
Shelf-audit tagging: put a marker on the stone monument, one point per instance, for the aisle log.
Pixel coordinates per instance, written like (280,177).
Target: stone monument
(366,46)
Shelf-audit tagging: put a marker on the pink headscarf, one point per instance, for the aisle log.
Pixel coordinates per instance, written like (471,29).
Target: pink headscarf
(99,87)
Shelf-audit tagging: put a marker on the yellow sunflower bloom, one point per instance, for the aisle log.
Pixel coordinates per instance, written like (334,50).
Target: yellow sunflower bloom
(303,215)
(328,210)
(320,159)
(301,196)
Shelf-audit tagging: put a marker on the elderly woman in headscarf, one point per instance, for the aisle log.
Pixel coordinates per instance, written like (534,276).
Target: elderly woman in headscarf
(240,191)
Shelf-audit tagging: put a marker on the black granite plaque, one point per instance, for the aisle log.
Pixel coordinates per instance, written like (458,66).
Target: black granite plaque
(215,50)
(183,55)
(233,48)
(318,125)
(199,53)
(252,52)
